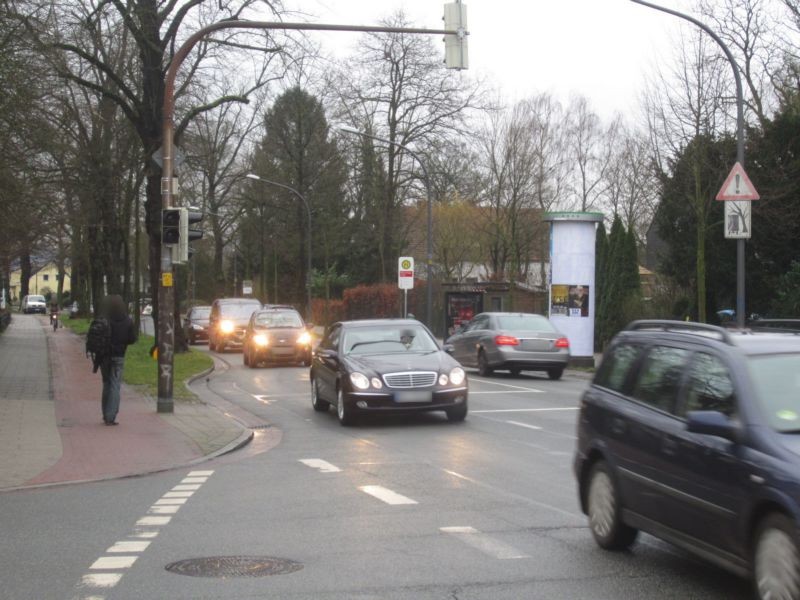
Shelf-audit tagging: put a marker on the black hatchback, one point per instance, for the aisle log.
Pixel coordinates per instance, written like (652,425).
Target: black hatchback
(691,433)
(385,366)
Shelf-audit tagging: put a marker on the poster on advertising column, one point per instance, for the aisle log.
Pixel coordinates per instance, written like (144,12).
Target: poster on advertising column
(569,300)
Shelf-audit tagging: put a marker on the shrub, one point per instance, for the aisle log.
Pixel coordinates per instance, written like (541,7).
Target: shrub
(376,301)
(325,312)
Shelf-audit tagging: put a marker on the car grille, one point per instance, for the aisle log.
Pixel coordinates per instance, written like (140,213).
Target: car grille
(410,379)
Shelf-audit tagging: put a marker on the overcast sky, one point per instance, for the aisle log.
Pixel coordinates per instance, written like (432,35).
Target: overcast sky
(599,48)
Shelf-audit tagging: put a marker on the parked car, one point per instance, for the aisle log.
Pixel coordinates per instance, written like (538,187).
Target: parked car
(277,334)
(691,433)
(513,341)
(384,366)
(33,304)
(228,322)
(196,323)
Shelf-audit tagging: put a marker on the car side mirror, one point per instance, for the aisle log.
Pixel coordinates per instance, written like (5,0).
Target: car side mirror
(448,348)
(310,326)
(712,422)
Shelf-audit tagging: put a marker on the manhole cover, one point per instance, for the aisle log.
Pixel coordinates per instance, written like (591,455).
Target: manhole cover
(234,566)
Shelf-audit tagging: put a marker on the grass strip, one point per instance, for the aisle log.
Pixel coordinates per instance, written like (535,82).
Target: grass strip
(142,371)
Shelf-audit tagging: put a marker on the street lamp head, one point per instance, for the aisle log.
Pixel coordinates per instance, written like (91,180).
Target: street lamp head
(348,129)
(253,176)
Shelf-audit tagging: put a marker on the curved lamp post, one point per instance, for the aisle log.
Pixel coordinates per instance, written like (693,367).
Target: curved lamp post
(429,250)
(255,177)
(739,139)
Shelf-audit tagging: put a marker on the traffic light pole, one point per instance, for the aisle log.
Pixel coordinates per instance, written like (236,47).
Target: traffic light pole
(166,292)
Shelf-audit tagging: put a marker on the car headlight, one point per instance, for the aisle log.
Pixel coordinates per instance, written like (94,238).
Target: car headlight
(359,380)
(226,327)
(443,379)
(197,327)
(261,339)
(304,339)
(457,376)
(376,383)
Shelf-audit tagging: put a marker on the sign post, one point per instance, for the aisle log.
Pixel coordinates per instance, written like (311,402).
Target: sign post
(405,279)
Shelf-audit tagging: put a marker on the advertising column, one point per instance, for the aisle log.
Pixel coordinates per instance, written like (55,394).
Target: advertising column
(571,284)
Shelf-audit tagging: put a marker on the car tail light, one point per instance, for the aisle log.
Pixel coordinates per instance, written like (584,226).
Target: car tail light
(506,340)
(562,343)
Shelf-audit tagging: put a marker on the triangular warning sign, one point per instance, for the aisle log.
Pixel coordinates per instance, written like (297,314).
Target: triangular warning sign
(738,186)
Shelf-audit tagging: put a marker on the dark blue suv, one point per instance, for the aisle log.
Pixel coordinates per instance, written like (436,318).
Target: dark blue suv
(691,433)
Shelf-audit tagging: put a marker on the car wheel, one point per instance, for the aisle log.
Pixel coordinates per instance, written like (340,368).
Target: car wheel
(604,510)
(776,561)
(484,370)
(318,403)
(343,412)
(515,371)
(555,374)
(457,413)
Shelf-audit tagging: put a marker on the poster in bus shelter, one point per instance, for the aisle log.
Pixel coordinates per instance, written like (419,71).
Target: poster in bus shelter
(569,300)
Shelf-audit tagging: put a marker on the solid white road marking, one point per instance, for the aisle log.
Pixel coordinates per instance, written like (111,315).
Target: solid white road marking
(484,543)
(178,495)
(200,473)
(322,465)
(186,488)
(101,580)
(145,534)
(513,410)
(472,393)
(518,424)
(194,480)
(113,562)
(387,495)
(126,546)
(508,385)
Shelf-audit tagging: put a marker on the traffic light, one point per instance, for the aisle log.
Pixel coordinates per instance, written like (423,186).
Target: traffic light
(170,226)
(455,45)
(187,233)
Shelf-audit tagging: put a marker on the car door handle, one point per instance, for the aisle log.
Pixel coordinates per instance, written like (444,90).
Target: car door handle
(618,426)
(669,446)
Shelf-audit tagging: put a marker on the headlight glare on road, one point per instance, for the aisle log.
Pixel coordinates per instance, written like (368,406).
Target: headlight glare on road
(226,327)
(376,383)
(359,380)
(304,339)
(457,376)
(261,339)
(443,379)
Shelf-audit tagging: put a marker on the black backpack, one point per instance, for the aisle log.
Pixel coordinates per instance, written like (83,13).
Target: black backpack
(98,342)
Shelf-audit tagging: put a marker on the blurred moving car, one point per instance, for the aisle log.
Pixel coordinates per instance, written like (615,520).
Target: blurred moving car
(147,310)
(514,341)
(195,325)
(228,322)
(277,334)
(384,366)
(33,304)
(691,433)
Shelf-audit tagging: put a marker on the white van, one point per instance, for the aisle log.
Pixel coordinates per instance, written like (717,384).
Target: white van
(34,304)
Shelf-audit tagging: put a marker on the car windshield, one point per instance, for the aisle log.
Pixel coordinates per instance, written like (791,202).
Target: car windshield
(238,311)
(524,323)
(273,320)
(35,298)
(776,378)
(200,313)
(382,339)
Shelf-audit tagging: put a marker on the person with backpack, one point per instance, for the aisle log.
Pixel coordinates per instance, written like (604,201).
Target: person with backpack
(106,341)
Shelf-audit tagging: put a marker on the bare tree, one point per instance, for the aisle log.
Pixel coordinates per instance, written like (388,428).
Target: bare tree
(590,151)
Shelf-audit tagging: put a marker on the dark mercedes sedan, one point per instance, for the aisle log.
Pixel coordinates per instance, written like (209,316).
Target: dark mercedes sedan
(384,366)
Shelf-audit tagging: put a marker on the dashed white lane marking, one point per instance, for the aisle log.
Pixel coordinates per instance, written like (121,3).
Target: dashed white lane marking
(124,553)
(508,385)
(126,546)
(518,424)
(322,465)
(386,495)
(514,410)
(484,543)
(113,562)
(526,391)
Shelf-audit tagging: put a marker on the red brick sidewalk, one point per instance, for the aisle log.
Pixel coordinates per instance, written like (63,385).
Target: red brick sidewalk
(142,442)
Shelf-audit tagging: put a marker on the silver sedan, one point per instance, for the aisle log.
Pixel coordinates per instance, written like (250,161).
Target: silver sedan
(513,341)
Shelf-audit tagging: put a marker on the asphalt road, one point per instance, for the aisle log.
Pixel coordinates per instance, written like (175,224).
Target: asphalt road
(406,507)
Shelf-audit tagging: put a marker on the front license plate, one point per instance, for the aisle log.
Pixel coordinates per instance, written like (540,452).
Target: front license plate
(426,396)
(283,351)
